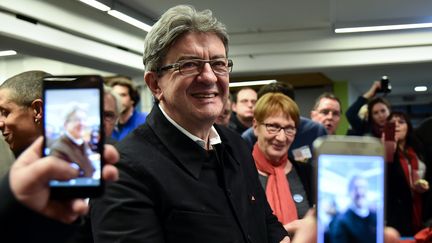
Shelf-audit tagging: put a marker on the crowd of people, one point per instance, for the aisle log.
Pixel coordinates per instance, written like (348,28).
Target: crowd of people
(201,166)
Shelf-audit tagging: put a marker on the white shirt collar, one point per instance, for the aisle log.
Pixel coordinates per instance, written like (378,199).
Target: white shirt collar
(214,137)
(78,142)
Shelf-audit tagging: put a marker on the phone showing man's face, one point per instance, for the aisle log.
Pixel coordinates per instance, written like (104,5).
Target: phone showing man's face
(73,131)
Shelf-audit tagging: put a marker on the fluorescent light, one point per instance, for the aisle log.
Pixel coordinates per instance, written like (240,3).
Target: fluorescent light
(420,88)
(96,4)
(383,27)
(7,53)
(251,83)
(130,20)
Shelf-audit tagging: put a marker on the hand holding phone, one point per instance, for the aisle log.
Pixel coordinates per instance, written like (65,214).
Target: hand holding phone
(73,117)
(350,189)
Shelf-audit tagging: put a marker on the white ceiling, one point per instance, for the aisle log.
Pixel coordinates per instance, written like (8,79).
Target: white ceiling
(267,37)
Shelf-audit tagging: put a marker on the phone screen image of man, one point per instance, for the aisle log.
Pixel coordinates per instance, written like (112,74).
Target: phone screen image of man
(73,117)
(350,198)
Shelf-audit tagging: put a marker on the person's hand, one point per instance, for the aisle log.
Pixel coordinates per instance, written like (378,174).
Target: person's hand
(421,185)
(293,226)
(29,181)
(390,148)
(286,239)
(305,232)
(373,90)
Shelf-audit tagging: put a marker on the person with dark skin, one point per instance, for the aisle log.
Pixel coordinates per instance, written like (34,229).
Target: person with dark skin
(21,109)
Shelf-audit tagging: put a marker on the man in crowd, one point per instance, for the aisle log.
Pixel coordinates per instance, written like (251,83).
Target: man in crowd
(130,118)
(112,110)
(327,111)
(72,146)
(243,108)
(181,178)
(358,223)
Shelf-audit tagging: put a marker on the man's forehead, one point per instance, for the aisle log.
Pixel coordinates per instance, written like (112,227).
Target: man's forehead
(5,96)
(328,101)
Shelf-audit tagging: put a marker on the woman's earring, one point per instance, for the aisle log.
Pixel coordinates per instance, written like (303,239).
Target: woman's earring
(37,121)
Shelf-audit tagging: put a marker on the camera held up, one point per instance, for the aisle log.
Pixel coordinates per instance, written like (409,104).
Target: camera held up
(385,85)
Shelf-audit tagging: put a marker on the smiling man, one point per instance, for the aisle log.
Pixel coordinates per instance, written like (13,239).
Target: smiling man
(21,109)
(183,179)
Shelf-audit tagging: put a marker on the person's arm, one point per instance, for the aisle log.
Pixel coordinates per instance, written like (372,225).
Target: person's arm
(352,112)
(21,224)
(26,211)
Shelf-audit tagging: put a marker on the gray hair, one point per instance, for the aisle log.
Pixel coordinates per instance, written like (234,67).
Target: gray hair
(118,106)
(174,23)
(25,87)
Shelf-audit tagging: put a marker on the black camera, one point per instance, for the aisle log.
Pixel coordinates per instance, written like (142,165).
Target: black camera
(385,85)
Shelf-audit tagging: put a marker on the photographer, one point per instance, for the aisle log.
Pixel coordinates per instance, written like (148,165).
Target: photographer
(378,109)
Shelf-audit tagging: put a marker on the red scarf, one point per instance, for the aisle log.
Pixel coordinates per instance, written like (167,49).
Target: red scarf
(410,158)
(277,190)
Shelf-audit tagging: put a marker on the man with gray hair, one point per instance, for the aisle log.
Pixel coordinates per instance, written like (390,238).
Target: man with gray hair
(182,178)
(111,112)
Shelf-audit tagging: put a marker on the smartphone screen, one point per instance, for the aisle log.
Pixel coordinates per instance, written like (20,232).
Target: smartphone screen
(73,131)
(350,191)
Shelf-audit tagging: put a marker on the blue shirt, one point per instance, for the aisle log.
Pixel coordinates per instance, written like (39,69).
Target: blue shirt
(137,119)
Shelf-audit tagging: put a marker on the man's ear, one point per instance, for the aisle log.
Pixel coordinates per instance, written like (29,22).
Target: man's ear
(313,114)
(255,127)
(151,79)
(37,107)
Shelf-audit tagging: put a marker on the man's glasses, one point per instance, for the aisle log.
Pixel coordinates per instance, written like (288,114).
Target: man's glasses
(190,67)
(325,112)
(275,129)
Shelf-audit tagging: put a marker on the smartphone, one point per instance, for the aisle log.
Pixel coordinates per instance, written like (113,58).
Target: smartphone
(389,141)
(389,131)
(73,131)
(350,189)
(385,85)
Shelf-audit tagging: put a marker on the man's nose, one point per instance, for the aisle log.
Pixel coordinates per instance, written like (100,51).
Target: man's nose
(207,73)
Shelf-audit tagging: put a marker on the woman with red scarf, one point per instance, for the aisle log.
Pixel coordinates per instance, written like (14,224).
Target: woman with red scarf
(287,183)
(405,185)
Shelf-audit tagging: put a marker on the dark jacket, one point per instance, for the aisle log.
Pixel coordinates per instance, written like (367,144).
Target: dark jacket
(20,224)
(67,150)
(160,197)
(399,201)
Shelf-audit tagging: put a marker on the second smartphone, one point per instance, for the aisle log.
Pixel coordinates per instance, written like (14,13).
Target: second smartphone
(73,131)
(350,175)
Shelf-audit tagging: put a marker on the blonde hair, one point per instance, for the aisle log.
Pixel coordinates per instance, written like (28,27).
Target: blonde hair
(276,103)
